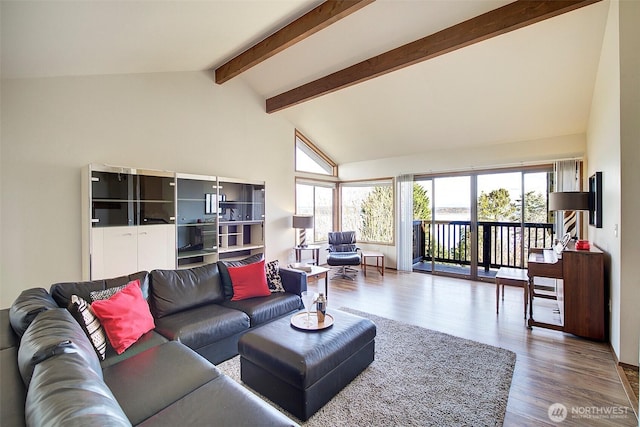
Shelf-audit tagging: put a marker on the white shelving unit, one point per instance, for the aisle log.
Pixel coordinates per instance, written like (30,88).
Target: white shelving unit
(128,221)
(135,219)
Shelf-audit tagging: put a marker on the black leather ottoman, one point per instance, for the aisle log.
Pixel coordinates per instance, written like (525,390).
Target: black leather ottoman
(301,371)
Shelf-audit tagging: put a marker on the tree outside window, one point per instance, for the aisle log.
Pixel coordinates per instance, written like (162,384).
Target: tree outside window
(367,209)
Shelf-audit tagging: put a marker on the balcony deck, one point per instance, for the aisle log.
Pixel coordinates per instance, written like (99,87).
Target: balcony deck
(499,244)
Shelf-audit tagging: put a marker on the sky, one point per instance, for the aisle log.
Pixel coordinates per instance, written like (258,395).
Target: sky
(454,191)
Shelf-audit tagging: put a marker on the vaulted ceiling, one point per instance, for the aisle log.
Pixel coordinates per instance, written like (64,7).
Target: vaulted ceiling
(534,82)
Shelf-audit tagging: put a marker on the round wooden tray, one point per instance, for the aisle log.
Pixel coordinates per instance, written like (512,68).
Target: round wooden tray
(299,321)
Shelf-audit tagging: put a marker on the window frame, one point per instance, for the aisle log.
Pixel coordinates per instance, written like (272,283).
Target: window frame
(315,154)
(315,183)
(386,182)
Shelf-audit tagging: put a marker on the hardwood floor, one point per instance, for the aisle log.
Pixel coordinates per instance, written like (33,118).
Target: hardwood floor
(551,366)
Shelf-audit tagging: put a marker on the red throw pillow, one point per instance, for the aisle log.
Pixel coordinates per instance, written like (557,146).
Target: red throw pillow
(125,316)
(249,281)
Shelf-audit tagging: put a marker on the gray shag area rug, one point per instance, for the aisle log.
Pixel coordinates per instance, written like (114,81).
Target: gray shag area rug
(419,378)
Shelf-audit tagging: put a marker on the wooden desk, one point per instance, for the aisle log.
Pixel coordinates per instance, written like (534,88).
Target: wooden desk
(580,293)
(315,253)
(379,261)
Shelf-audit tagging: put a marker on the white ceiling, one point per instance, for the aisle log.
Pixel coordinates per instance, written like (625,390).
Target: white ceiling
(532,83)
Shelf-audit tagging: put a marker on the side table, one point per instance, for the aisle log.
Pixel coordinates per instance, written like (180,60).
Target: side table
(315,253)
(316,274)
(379,256)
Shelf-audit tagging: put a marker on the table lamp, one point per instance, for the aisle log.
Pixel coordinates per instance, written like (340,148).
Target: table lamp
(302,222)
(569,201)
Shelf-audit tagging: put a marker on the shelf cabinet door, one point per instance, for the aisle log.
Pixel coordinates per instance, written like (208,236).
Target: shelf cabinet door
(114,252)
(118,251)
(156,247)
(197,220)
(113,186)
(156,200)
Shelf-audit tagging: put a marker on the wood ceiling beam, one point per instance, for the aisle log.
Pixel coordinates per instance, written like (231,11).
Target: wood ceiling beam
(310,23)
(499,21)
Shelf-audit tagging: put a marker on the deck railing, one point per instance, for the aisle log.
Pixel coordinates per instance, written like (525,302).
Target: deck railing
(499,242)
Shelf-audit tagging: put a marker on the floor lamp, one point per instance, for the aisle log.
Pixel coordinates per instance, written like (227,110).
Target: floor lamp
(302,222)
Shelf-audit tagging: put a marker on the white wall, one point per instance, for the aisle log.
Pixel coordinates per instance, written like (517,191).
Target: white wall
(184,122)
(603,151)
(630,180)
(613,148)
(501,155)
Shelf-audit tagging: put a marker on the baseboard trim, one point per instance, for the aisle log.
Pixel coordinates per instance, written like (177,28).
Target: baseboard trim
(633,399)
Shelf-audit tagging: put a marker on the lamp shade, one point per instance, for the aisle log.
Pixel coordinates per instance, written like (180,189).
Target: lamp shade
(569,201)
(303,221)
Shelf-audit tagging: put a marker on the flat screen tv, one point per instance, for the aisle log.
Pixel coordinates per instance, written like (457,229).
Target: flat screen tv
(595,200)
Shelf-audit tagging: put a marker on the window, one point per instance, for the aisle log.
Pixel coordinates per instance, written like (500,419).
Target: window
(316,198)
(367,209)
(310,159)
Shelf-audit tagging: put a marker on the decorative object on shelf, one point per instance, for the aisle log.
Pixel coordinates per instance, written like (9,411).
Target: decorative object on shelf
(595,200)
(569,202)
(209,204)
(583,245)
(302,222)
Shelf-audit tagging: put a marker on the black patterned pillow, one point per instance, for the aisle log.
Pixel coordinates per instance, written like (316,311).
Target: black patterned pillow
(81,311)
(106,293)
(273,277)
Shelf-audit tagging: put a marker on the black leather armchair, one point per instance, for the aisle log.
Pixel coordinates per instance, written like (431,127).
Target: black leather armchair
(343,253)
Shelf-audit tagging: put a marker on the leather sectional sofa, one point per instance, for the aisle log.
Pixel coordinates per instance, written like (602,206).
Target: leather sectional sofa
(52,375)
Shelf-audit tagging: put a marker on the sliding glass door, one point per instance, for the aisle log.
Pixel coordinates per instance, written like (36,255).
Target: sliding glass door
(499,216)
(451,228)
(482,221)
(446,232)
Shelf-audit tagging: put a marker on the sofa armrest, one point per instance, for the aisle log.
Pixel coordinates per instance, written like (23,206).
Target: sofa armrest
(293,281)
